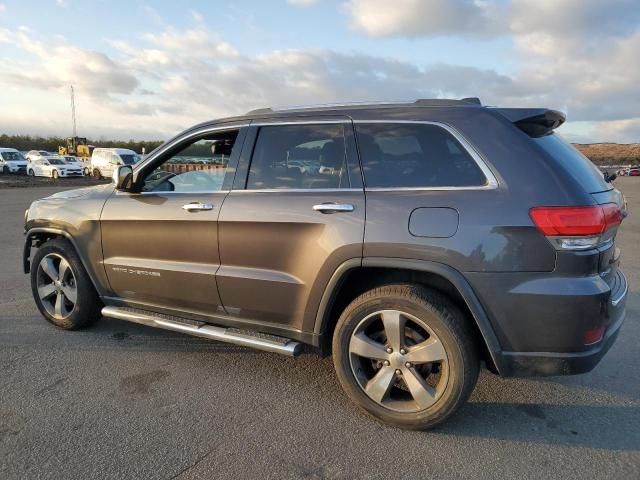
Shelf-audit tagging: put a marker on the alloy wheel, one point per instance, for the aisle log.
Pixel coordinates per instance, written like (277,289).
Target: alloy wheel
(398,361)
(57,288)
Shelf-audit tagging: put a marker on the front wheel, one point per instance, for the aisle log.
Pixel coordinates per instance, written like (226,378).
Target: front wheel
(54,174)
(31,173)
(97,173)
(5,170)
(61,287)
(406,355)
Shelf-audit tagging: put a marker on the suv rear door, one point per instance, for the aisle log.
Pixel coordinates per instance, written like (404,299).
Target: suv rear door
(296,212)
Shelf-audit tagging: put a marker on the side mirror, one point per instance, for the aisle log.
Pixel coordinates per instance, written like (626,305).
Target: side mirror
(122,176)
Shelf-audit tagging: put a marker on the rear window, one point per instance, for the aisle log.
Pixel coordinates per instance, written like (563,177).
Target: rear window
(414,155)
(576,164)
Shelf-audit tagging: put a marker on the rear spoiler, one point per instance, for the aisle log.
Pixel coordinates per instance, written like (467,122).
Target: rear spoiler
(535,122)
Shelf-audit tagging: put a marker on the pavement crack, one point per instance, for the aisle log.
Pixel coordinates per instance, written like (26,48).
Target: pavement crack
(189,467)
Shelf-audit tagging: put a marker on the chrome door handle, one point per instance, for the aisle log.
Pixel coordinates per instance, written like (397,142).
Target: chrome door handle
(197,206)
(333,207)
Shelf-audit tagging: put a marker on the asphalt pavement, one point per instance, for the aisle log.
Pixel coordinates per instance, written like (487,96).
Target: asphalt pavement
(125,401)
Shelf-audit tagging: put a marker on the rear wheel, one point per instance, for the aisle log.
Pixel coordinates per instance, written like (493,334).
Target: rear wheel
(32,173)
(97,173)
(61,287)
(406,355)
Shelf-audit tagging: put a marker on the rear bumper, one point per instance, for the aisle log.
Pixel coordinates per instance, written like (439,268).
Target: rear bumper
(527,364)
(548,363)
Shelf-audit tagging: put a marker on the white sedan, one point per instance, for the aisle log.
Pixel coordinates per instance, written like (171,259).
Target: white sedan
(53,167)
(76,162)
(33,155)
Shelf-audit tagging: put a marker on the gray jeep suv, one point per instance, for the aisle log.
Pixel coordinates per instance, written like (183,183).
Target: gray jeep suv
(411,241)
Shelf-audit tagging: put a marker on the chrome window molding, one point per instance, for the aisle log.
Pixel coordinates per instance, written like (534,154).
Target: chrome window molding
(492,182)
(197,192)
(298,190)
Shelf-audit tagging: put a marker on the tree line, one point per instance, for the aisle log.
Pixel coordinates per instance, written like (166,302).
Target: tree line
(51,144)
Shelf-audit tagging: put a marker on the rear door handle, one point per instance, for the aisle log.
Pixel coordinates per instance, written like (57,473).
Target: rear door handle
(197,206)
(333,207)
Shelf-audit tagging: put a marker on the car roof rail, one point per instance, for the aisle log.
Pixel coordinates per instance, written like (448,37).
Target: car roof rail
(421,102)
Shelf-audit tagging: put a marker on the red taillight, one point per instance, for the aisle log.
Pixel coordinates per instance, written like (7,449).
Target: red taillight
(576,221)
(612,215)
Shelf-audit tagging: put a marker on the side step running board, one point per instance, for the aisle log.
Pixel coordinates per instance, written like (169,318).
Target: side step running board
(245,338)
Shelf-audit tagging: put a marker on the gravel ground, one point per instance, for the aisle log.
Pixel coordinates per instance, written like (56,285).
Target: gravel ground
(22,181)
(125,401)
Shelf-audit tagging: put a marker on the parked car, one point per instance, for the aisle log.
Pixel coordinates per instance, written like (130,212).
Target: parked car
(54,167)
(103,160)
(76,162)
(39,155)
(12,161)
(633,172)
(419,241)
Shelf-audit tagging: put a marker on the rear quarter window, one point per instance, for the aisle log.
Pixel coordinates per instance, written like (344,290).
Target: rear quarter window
(574,162)
(414,155)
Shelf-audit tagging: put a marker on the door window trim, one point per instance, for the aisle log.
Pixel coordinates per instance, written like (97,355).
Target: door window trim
(351,157)
(491,184)
(163,149)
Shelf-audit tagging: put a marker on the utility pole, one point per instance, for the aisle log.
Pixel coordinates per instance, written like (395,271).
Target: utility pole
(73,112)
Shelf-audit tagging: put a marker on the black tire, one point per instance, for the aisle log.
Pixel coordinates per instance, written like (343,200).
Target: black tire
(449,325)
(5,170)
(87,307)
(97,173)
(32,173)
(54,174)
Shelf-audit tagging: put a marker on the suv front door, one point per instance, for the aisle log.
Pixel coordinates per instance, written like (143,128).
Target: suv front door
(296,212)
(160,246)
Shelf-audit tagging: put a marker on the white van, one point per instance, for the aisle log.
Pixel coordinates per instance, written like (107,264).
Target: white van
(103,160)
(12,161)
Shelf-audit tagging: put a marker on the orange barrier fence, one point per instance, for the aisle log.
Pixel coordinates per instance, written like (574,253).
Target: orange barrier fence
(190,167)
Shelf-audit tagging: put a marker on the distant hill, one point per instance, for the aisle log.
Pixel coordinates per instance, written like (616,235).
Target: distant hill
(611,153)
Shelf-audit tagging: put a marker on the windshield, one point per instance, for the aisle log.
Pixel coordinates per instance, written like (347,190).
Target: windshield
(576,164)
(45,154)
(129,159)
(70,159)
(56,161)
(12,156)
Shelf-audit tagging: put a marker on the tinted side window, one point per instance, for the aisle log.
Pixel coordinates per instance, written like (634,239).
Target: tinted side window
(414,155)
(198,167)
(299,156)
(576,164)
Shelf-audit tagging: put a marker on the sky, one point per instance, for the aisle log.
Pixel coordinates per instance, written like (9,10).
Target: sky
(144,69)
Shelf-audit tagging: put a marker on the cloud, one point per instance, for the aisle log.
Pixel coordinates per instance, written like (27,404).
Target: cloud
(415,18)
(91,72)
(621,131)
(3,7)
(173,78)
(588,20)
(62,3)
(302,3)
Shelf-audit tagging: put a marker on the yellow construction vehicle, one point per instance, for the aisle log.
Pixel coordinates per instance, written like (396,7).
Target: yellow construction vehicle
(77,146)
